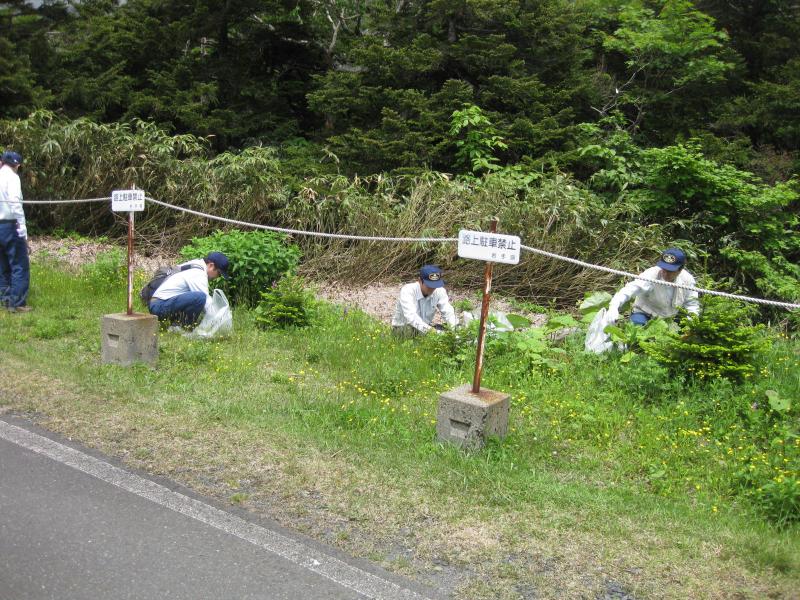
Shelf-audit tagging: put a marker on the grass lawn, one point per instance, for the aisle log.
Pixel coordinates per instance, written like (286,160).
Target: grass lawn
(614,479)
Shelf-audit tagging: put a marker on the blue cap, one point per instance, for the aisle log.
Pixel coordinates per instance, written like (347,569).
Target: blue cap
(220,261)
(11,158)
(672,259)
(431,276)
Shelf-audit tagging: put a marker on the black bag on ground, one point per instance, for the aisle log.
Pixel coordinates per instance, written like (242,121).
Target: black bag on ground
(160,277)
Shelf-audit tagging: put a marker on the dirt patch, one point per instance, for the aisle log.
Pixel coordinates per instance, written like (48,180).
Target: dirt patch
(73,253)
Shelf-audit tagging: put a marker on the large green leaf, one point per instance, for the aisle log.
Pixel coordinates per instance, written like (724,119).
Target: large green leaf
(777,403)
(518,321)
(594,301)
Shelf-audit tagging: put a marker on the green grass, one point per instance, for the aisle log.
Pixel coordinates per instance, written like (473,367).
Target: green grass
(610,472)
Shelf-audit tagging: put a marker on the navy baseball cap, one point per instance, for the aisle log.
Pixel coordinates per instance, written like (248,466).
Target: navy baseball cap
(431,276)
(672,259)
(11,158)
(221,262)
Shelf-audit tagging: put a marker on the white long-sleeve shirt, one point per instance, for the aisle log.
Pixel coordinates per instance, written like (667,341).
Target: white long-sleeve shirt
(418,311)
(11,199)
(655,299)
(191,280)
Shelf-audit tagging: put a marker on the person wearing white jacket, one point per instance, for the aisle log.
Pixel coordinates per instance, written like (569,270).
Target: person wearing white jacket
(184,295)
(654,299)
(419,301)
(15,272)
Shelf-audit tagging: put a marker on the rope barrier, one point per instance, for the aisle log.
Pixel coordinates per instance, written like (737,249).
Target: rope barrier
(106,199)
(372,238)
(338,236)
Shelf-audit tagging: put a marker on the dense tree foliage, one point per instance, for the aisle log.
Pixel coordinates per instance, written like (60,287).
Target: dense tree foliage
(377,81)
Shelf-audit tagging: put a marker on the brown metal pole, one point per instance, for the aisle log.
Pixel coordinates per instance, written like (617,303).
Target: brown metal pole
(130,259)
(487,288)
(130,263)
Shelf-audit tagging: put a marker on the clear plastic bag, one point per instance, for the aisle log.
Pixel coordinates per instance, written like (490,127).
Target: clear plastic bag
(597,340)
(217,321)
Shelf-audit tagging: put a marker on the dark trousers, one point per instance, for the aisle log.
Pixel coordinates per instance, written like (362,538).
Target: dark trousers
(15,269)
(183,309)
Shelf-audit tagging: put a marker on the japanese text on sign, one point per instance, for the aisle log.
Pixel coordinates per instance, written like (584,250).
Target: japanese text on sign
(490,247)
(127,200)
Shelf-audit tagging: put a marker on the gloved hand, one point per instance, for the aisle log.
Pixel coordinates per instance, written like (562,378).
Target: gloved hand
(22,231)
(612,314)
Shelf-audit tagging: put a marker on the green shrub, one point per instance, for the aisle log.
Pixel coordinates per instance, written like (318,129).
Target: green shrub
(287,304)
(720,342)
(257,260)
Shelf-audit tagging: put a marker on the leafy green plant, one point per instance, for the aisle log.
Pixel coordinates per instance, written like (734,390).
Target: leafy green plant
(720,342)
(477,150)
(534,346)
(635,337)
(455,347)
(257,260)
(286,304)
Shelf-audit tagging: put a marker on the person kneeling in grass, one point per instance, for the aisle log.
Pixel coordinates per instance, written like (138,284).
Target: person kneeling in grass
(657,300)
(418,302)
(184,295)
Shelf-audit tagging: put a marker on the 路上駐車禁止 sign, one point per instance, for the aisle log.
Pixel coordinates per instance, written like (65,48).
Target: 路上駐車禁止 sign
(490,247)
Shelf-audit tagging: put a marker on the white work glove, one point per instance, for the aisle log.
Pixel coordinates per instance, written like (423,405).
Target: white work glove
(612,314)
(22,231)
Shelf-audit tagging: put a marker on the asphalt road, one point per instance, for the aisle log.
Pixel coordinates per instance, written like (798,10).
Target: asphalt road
(74,525)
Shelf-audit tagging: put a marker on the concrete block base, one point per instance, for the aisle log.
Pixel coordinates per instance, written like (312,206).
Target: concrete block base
(128,339)
(468,419)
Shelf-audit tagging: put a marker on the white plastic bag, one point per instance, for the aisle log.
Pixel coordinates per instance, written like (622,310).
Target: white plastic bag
(217,321)
(597,340)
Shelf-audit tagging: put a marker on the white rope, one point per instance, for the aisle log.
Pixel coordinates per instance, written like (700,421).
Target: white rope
(338,236)
(375,238)
(787,305)
(581,263)
(62,201)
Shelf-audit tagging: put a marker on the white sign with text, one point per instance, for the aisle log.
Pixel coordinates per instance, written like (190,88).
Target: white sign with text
(127,200)
(490,247)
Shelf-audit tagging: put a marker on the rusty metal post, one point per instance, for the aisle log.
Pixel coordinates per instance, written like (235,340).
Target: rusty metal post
(130,260)
(487,288)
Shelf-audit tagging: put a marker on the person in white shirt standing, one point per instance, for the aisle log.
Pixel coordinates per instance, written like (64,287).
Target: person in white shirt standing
(15,271)
(183,296)
(419,301)
(654,299)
